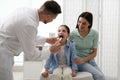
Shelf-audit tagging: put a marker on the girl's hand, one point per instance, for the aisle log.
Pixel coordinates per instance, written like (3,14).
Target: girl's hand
(73,73)
(45,74)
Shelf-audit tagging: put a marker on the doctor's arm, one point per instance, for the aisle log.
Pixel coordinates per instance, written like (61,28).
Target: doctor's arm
(54,41)
(27,37)
(42,40)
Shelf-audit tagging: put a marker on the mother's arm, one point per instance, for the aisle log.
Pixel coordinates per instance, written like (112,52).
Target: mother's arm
(87,58)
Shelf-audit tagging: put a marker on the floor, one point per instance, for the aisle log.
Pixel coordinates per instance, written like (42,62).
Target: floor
(18,75)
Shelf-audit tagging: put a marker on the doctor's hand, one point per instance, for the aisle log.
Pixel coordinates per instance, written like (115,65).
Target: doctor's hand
(56,46)
(51,40)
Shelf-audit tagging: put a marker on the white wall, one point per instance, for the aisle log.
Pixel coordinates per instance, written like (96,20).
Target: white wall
(71,12)
(110,17)
(119,44)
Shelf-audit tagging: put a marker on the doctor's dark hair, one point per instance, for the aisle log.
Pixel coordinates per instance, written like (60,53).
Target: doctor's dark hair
(52,6)
(88,16)
(67,28)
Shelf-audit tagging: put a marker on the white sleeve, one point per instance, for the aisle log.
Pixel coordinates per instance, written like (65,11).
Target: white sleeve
(40,40)
(43,54)
(27,37)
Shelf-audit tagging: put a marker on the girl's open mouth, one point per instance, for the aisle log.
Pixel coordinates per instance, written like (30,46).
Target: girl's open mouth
(61,36)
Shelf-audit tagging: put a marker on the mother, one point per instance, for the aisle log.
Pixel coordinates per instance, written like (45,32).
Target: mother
(86,43)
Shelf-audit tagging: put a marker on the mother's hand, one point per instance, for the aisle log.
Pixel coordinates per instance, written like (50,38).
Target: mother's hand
(78,60)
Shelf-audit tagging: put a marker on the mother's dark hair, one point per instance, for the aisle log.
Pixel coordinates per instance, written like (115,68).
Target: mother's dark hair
(88,16)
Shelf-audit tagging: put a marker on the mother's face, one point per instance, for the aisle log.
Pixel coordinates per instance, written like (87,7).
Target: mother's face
(83,24)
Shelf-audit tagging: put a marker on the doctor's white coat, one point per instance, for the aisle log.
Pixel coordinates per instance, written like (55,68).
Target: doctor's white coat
(19,33)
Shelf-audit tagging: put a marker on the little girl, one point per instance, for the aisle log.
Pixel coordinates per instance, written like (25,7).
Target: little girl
(61,63)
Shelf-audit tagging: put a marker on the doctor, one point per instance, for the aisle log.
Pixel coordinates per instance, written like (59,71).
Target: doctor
(18,33)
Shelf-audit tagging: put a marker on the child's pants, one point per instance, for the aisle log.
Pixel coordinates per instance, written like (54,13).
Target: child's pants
(64,72)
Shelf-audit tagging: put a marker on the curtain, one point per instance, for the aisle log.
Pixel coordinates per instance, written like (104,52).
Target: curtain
(109,39)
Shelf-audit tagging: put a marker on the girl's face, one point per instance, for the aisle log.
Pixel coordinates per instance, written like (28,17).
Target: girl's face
(62,32)
(83,24)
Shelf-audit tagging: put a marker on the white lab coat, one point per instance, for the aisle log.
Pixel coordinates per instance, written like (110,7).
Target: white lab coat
(18,33)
